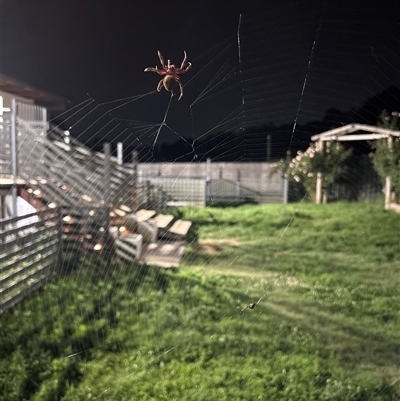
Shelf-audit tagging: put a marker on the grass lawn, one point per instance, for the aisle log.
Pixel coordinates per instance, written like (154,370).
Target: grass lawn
(326,325)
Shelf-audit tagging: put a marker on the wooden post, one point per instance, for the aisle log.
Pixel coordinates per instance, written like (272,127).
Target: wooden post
(388,180)
(318,189)
(320,178)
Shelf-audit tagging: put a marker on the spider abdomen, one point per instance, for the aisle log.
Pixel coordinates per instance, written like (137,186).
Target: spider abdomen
(169,83)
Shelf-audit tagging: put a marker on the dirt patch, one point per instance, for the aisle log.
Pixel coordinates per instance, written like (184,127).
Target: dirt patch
(339,254)
(228,241)
(214,245)
(208,248)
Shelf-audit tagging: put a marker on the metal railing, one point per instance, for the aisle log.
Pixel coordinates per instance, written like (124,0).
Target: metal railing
(31,253)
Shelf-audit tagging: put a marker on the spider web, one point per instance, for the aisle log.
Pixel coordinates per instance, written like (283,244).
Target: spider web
(139,322)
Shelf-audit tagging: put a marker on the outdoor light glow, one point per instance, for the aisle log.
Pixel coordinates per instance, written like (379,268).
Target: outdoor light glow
(67,218)
(37,192)
(122,229)
(52,205)
(86,198)
(98,247)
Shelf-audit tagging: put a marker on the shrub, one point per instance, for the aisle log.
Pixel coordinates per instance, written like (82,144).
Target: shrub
(387,161)
(305,166)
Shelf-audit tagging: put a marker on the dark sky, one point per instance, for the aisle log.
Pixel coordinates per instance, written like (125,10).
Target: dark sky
(296,58)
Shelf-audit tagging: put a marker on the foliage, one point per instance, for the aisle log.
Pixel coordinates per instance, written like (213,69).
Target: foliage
(326,326)
(305,166)
(387,161)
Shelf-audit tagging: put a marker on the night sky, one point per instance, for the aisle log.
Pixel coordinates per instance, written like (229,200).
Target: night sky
(293,60)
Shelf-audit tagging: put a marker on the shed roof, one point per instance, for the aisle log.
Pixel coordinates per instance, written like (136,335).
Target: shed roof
(40,97)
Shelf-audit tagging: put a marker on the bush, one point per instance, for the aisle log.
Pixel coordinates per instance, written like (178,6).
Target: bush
(305,166)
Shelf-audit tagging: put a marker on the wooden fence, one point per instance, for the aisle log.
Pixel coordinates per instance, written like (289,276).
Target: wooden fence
(30,254)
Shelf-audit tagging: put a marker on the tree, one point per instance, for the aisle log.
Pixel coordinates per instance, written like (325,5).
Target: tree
(386,158)
(305,166)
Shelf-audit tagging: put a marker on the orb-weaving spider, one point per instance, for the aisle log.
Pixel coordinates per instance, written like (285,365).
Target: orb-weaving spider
(171,73)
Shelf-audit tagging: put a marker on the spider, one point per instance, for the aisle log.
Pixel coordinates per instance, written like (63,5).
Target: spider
(252,305)
(171,74)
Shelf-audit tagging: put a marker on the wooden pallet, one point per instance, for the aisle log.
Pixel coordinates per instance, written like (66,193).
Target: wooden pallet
(163,254)
(144,215)
(180,228)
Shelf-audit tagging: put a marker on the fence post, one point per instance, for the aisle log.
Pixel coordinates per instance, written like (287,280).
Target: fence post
(285,190)
(268,147)
(120,153)
(60,248)
(105,223)
(208,180)
(107,182)
(388,180)
(238,186)
(147,194)
(135,181)
(14,157)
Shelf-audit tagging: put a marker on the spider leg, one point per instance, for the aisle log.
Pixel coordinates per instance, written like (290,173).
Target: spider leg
(161,59)
(181,71)
(184,61)
(180,88)
(152,69)
(160,84)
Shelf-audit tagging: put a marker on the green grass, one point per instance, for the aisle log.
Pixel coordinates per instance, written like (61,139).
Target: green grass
(326,326)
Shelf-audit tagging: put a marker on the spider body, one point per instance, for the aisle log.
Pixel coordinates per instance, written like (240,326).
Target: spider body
(251,306)
(171,74)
